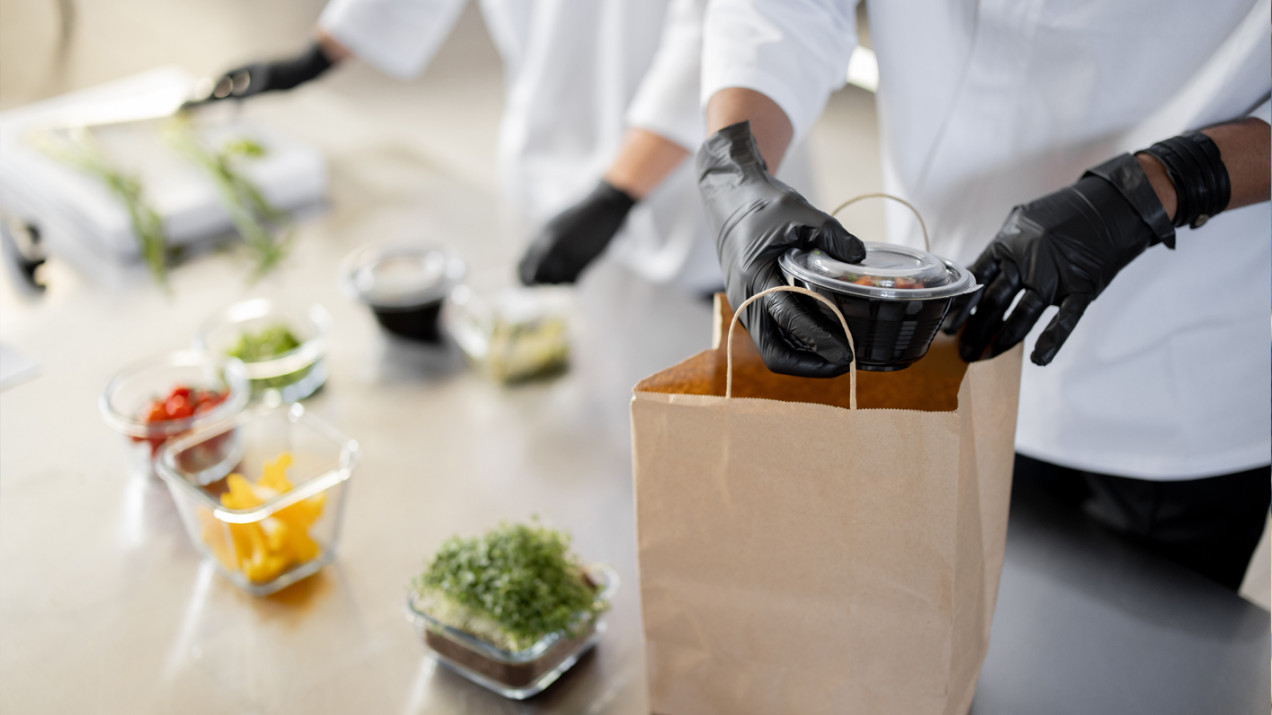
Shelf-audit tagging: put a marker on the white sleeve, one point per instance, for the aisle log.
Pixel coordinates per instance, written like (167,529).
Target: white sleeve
(1263,111)
(795,52)
(667,101)
(398,37)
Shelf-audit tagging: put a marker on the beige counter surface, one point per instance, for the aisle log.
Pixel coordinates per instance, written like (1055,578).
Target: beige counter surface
(105,605)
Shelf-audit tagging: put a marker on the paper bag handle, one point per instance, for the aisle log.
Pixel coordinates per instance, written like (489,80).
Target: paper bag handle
(927,245)
(737,315)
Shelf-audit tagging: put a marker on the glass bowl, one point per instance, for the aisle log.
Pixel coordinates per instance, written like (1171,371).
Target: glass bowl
(296,373)
(129,395)
(404,284)
(284,534)
(512,334)
(520,674)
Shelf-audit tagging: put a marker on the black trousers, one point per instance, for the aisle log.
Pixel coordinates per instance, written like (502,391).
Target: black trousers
(1210,525)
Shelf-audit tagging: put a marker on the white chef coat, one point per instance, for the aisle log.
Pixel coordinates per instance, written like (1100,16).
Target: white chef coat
(985,104)
(571,68)
(578,74)
(667,239)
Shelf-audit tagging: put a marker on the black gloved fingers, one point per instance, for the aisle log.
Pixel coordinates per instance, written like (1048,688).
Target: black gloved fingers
(806,327)
(282,74)
(1022,319)
(960,309)
(836,241)
(542,262)
(533,267)
(779,354)
(1059,329)
(574,238)
(985,269)
(988,318)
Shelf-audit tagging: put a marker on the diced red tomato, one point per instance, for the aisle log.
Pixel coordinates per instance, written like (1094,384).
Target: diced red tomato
(182,403)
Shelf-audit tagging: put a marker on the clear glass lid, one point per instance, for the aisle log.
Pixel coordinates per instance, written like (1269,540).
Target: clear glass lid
(402,274)
(888,271)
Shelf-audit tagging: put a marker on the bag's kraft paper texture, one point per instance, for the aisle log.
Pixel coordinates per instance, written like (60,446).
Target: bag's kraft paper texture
(799,557)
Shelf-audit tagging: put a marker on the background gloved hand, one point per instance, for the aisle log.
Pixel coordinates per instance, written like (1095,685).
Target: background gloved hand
(272,76)
(756,219)
(575,237)
(1062,249)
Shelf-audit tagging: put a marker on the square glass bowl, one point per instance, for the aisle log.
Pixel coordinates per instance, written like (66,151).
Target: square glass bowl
(296,373)
(512,333)
(524,673)
(289,534)
(130,394)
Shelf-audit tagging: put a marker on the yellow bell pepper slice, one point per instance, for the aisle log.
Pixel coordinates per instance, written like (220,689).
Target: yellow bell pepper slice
(264,550)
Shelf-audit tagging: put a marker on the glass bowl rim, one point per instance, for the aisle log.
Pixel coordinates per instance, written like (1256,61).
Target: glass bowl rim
(315,313)
(454,274)
(232,371)
(350,455)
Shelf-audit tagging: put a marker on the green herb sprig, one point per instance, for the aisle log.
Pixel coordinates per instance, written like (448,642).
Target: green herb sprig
(256,219)
(520,576)
(78,150)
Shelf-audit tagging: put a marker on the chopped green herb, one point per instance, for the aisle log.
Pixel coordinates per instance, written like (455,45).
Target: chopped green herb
(264,344)
(519,577)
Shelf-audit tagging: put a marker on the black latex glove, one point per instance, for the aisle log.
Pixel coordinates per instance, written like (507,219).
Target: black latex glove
(272,76)
(1062,249)
(575,237)
(756,219)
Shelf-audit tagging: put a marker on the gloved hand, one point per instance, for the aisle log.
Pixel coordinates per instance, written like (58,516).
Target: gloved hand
(756,219)
(575,237)
(1062,249)
(272,76)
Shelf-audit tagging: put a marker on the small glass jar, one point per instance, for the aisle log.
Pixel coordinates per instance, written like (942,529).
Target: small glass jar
(286,535)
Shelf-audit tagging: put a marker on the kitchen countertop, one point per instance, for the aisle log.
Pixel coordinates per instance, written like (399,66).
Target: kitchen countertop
(105,605)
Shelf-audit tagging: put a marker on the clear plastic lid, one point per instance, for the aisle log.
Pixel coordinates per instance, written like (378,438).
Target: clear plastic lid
(888,271)
(404,274)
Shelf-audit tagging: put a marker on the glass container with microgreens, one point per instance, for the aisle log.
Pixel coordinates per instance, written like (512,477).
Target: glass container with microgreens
(510,610)
(273,516)
(282,346)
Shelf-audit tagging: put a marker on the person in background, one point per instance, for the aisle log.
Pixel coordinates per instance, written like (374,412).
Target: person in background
(571,70)
(667,238)
(646,193)
(601,89)
(1132,140)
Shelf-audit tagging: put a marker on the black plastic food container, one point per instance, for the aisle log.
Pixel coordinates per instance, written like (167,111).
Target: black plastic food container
(405,283)
(894,300)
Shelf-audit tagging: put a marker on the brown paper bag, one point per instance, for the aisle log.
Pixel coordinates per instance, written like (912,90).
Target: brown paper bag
(799,556)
